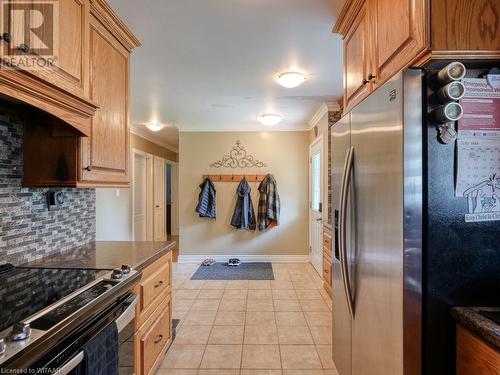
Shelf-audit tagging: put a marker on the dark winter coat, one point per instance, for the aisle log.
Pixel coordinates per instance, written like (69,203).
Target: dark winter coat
(207,200)
(244,215)
(269,204)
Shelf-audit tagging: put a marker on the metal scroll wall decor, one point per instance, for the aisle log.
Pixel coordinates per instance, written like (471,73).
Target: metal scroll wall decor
(238,158)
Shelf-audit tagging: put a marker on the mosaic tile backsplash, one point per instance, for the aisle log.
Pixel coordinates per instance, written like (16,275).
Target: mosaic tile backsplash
(28,230)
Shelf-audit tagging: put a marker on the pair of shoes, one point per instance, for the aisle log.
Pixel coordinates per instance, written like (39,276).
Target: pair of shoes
(208,262)
(234,262)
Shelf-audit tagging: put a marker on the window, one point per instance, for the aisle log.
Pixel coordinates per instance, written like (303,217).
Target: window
(316,181)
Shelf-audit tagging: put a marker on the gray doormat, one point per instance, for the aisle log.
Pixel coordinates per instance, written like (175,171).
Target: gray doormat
(245,271)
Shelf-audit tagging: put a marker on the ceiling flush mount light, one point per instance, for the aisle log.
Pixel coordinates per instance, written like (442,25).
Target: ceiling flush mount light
(269,119)
(154,126)
(291,79)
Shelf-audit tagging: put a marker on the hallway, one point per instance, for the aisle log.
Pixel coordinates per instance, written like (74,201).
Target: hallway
(251,327)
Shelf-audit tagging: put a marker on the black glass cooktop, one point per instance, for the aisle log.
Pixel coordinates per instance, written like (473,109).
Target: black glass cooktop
(25,291)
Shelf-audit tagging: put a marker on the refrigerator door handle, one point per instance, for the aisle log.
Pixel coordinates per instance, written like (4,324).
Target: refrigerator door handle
(343,233)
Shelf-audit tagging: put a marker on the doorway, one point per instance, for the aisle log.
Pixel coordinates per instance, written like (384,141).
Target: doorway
(315,203)
(142,196)
(149,197)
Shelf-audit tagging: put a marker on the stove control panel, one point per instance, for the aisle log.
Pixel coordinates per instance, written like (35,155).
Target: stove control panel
(117,274)
(20,331)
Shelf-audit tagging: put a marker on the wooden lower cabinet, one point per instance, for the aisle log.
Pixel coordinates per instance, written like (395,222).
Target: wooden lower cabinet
(327,260)
(153,320)
(475,356)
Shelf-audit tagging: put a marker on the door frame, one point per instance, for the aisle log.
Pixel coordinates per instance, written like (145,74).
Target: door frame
(174,189)
(149,191)
(314,143)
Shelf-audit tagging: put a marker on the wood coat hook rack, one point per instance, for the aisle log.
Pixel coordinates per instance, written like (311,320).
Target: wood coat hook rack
(235,177)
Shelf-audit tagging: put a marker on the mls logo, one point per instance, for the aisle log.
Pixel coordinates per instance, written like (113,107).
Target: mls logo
(30,33)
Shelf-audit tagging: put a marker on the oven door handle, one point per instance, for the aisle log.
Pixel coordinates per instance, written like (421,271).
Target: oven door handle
(128,315)
(121,322)
(71,364)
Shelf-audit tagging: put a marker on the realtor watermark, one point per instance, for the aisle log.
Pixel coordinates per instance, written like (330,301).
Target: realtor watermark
(30,33)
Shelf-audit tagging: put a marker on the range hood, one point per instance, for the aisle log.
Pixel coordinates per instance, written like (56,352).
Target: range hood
(74,110)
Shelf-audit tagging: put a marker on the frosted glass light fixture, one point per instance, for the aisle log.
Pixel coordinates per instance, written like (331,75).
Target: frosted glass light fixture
(291,79)
(154,126)
(269,119)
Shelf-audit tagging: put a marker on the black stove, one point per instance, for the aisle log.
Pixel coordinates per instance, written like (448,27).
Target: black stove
(41,307)
(25,291)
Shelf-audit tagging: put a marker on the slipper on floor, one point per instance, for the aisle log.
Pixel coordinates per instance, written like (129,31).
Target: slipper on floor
(208,262)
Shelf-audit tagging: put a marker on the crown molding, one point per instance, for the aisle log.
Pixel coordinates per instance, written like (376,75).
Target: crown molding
(224,130)
(150,137)
(322,111)
(334,106)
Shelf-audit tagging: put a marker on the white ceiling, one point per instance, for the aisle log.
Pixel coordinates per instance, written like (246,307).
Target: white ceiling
(209,64)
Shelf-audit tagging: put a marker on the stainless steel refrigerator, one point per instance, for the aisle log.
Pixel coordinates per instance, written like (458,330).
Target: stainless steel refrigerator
(398,266)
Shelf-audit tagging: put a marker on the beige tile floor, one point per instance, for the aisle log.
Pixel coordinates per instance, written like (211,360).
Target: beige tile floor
(279,327)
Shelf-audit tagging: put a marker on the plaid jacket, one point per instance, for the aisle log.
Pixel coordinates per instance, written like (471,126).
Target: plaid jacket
(269,204)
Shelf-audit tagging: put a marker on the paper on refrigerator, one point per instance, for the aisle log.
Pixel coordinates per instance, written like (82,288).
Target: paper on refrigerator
(478,148)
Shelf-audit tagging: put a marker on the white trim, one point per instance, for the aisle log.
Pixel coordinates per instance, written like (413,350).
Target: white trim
(245,258)
(249,130)
(318,140)
(148,188)
(320,112)
(150,137)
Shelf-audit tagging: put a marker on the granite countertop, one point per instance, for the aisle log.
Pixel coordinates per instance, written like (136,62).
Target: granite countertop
(107,255)
(483,327)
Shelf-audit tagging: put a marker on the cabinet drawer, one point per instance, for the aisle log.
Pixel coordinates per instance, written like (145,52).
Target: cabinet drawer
(327,253)
(327,240)
(327,271)
(155,339)
(155,285)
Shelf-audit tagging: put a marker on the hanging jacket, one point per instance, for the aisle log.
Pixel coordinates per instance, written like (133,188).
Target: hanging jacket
(207,200)
(269,204)
(244,215)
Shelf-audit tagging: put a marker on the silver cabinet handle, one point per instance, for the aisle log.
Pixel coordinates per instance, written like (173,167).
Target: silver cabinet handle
(343,235)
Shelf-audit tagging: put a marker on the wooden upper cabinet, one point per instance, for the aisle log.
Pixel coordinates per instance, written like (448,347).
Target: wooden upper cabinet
(45,61)
(399,30)
(65,35)
(105,154)
(55,156)
(357,59)
(403,33)
(471,26)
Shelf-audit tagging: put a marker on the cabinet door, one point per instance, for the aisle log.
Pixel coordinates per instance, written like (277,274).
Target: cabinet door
(357,59)
(400,35)
(50,38)
(105,154)
(159,212)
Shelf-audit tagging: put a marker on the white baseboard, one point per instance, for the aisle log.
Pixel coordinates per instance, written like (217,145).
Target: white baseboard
(245,258)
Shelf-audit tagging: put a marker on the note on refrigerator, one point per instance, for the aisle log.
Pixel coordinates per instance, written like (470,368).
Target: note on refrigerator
(478,148)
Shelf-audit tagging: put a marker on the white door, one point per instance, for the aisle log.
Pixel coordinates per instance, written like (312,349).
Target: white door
(316,205)
(159,209)
(140,197)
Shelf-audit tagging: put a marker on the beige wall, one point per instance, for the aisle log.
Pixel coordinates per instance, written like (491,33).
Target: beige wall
(323,131)
(114,206)
(285,154)
(142,144)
